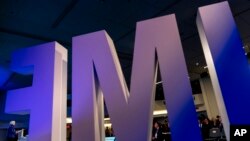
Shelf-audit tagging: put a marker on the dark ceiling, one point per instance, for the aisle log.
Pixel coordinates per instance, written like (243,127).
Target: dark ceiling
(26,23)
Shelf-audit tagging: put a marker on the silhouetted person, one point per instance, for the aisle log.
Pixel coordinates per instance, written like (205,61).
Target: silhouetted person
(214,123)
(219,123)
(166,132)
(157,132)
(109,132)
(11,133)
(205,128)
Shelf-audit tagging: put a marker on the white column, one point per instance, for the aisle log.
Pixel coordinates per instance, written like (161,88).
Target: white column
(209,97)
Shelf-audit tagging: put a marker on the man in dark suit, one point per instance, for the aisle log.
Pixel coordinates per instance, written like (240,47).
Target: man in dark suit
(205,128)
(157,132)
(11,132)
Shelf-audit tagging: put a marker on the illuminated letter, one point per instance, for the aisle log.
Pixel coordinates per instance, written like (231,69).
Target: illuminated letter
(45,100)
(97,71)
(227,64)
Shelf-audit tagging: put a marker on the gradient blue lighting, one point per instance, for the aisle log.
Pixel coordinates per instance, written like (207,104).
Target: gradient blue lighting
(227,63)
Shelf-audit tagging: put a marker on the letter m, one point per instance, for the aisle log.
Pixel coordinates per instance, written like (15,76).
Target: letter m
(97,73)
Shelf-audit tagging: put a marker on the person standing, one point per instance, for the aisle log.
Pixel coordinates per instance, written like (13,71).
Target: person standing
(205,128)
(157,132)
(11,133)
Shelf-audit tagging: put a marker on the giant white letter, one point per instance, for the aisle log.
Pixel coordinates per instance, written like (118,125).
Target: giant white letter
(227,64)
(97,71)
(45,100)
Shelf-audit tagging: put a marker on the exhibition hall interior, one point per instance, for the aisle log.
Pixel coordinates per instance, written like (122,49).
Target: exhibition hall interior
(28,23)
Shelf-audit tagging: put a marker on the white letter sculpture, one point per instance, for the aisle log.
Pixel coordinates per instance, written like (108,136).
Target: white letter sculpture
(45,100)
(97,74)
(227,64)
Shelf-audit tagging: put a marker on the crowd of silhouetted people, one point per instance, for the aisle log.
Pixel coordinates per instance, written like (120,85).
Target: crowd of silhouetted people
(109,132)
(211,128)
